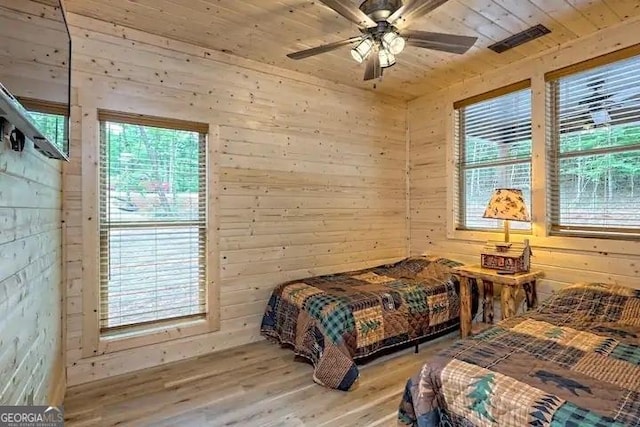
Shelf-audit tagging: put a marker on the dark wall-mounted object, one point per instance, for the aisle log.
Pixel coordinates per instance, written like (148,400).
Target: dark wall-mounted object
(520,38)
(16,82)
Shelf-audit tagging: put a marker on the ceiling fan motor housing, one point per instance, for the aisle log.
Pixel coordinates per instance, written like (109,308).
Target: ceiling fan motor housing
(380,10)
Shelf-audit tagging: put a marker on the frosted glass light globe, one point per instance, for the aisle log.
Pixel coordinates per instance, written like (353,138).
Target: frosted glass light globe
(387,59)
(362,50)
(393,43)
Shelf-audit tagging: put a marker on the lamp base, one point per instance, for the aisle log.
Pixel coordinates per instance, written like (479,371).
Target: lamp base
(506,231)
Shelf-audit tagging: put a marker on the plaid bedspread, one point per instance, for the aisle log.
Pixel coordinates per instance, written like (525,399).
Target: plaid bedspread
(575,361)
(333,320)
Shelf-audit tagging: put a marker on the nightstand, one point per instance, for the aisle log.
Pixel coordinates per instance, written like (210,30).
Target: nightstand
(486,278)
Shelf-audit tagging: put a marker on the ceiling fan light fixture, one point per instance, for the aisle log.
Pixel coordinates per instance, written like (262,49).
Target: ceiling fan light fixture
(387,59)
(600,117)
(379,39)
(362,50)
(393,42)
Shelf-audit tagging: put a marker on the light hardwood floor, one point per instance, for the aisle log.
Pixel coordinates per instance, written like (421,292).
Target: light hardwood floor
(258,384)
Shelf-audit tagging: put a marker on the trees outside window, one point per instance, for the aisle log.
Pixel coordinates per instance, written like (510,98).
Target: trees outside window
(152,224)
(594,150)
(493,151)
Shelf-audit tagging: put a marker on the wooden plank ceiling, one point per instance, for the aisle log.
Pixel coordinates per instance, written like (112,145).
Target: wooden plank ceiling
(266,30)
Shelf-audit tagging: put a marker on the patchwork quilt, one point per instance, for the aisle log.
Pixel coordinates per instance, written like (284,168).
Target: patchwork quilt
(575,361)
(334,320)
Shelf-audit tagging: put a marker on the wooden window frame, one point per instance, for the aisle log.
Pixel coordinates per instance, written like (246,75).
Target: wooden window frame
(46,107)
(93,342)
(552,79)
(458,206)
(541,236)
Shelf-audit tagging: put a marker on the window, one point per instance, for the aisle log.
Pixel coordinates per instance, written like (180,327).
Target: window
(594,150)
(153,220)
(52,119)
(493,150)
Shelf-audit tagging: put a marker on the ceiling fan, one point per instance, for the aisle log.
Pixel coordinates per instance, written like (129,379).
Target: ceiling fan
(602,101)
(381,40)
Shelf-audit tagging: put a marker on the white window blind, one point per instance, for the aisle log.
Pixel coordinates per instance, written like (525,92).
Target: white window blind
(594,151)
(493,150)
(153,221)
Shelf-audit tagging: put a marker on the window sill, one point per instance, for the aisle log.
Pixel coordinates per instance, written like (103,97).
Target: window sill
(584,234)
(153,334)
(542,240)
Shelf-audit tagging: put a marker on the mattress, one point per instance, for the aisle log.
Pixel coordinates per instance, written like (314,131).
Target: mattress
(574,361)
(334,320)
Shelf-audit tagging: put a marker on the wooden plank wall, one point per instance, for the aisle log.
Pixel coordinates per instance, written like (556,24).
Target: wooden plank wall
(564,260)
(311,177)
(30,277)
(31,251)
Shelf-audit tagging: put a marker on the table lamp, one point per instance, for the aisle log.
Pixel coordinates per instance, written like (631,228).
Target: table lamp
(507,204)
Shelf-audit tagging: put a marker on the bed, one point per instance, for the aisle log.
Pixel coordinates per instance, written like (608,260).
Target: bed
(334,320)
(574,361)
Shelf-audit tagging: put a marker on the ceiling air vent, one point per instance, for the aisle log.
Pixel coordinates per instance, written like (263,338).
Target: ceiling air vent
(520,38)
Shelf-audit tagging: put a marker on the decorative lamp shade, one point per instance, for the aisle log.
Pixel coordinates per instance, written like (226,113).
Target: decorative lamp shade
(507,203)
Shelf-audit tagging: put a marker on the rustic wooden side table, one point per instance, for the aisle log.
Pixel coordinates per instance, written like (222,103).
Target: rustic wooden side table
(486,278)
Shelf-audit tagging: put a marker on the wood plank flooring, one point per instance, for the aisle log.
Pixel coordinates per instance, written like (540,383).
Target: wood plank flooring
(258,384)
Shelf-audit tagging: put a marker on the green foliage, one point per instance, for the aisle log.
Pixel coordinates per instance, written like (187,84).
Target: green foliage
(594,188)
(53,126)
(154,171)
(480,150)
(138,161)
(480,396)
(605,175)
(602,137)
(600,189)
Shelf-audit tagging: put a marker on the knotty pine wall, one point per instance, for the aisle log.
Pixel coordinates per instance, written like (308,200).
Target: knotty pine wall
(31,253)
(30,278)
(310,178)
(564,260)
